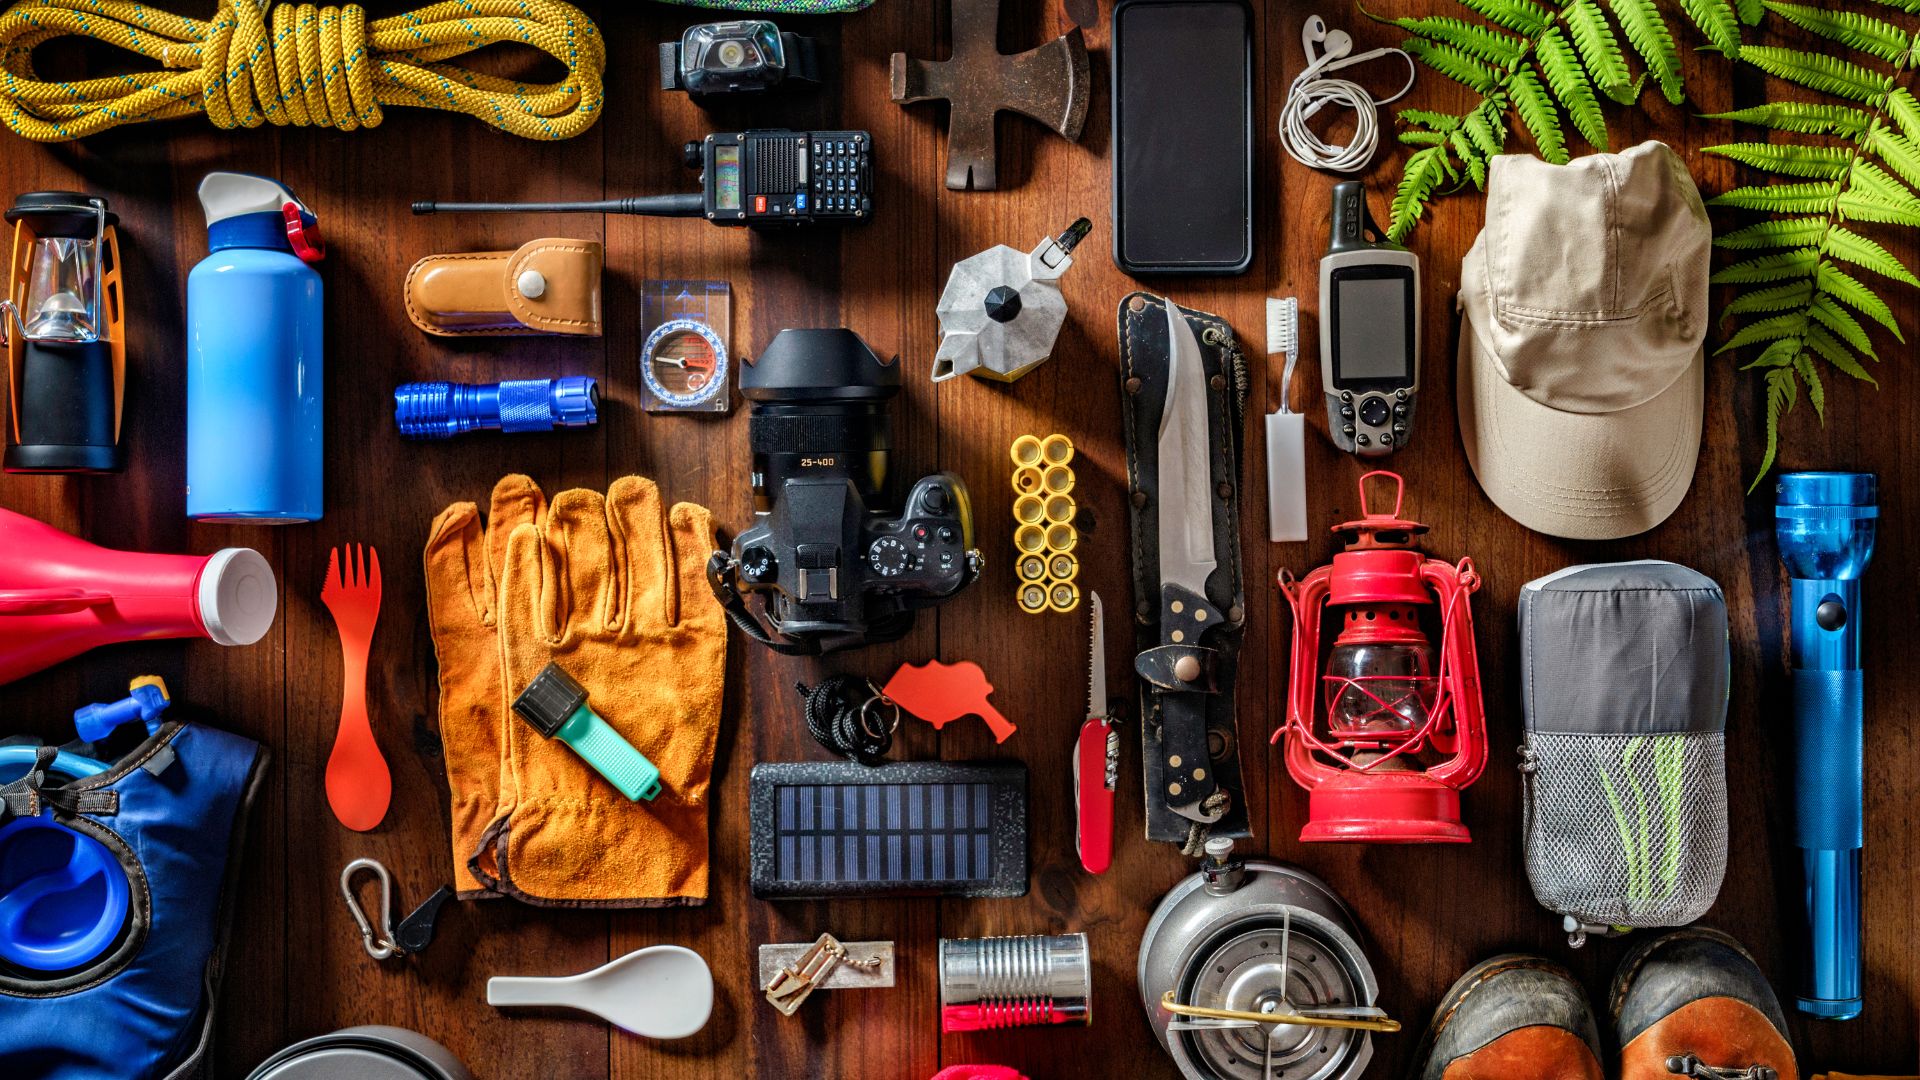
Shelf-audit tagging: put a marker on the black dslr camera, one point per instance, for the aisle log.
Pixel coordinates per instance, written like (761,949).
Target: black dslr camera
(833,570)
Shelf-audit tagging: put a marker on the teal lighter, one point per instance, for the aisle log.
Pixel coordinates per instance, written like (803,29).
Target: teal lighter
(556,706)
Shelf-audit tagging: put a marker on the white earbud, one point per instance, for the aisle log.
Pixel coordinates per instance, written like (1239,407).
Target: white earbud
(1312,90)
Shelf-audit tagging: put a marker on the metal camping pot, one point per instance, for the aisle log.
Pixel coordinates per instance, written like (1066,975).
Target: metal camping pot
(1245,940)
(372,1052)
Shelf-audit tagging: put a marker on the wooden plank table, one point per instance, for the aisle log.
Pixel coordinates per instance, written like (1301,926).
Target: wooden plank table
(296,967)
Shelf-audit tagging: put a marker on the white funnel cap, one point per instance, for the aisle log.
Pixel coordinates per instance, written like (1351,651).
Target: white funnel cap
(237,596)
(230,194)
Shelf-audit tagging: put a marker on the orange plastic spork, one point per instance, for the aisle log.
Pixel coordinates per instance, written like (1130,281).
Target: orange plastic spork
(359,787)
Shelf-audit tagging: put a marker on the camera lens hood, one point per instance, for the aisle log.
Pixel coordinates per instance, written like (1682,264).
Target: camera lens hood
(824,365)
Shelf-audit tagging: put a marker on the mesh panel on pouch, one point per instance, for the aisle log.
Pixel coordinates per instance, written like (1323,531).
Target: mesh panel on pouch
(1627,830)
(1624,680)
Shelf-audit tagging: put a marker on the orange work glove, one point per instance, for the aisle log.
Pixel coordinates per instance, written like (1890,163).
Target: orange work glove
(463,564)
(614,591)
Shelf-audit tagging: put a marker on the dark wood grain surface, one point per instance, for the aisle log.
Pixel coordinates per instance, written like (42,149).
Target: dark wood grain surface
(296,967)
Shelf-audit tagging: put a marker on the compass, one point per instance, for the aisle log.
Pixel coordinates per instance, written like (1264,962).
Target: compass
(684,366)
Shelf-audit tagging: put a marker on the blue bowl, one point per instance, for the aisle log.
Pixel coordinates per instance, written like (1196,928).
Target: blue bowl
(64,897)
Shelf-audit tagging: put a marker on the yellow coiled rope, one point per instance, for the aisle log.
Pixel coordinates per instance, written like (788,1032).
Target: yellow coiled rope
(309,66)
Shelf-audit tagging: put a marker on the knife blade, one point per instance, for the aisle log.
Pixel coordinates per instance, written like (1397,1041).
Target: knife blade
(1187,558)
(1096,759)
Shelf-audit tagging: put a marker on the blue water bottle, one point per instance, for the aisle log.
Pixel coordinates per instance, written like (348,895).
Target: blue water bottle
(254,357)
(1824,523)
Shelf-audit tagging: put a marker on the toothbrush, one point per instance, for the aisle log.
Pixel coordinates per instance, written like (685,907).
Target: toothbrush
(1286,432)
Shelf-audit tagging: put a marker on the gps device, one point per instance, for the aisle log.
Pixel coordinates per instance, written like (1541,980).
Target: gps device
(1369,330)
(735,57)
(767,177)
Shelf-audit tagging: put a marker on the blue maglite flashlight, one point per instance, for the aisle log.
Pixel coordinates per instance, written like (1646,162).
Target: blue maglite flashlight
(441,410)
(1824,524)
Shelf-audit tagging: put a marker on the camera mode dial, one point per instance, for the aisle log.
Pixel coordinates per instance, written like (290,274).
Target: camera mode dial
(889,556)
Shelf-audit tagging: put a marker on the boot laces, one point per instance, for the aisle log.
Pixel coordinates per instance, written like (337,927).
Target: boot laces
(1691,1066)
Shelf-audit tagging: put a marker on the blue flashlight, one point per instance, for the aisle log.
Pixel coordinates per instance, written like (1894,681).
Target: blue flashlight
(1824,524)
(441,410)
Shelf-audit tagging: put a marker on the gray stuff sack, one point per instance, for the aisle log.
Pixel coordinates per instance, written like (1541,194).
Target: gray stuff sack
(1624,670)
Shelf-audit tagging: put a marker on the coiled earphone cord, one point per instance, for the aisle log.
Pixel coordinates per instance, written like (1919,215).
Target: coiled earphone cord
(1312,91)
(302,65)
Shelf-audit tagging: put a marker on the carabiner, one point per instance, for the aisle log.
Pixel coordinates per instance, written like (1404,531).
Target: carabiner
(378,947)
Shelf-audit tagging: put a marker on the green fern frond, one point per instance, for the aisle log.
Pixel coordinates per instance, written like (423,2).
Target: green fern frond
(1873,182)
(1781,392)
(1778,354)
(1800,117)
(1816,390)
(1640,20)
(1835,318)
(1797,232)
(1718,22)
(1771,328)
(1561,69)
(1858,207)
(1790,264)
(1470,155)
(1492,46)
(1781,198)
(1489,135)
(1843,243)
(1451,62)
(1841,285)
(1774,298)
(1520,16)
(1863,33)
(1425,170)
(1427,119)
(1827,74)
(1750,11)
(1905,110)
(1538,114)
(1900,155)
(1422,138)
(1599,50)
(1836,354)
(1788,159)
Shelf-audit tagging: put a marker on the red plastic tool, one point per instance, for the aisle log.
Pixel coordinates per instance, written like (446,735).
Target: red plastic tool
(1096,760)
(939,693)
(359,787)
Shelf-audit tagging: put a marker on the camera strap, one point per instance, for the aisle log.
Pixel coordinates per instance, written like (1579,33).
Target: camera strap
(723,575)
(1186,681)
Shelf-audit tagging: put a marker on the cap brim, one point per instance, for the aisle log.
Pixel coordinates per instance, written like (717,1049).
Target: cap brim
(1582,476)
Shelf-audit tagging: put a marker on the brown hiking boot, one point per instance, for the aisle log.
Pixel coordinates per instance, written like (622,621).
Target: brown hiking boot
(1511,1018)
(1694,1004)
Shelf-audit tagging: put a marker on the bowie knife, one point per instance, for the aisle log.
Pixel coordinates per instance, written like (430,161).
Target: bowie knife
(1096,760)
(1185,516)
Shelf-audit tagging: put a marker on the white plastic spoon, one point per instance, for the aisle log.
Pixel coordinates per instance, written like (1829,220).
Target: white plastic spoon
(659,992)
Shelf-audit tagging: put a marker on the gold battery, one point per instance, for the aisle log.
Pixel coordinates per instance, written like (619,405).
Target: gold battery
(1061,567)
(1063,596)
(1033,567)
(1033,597)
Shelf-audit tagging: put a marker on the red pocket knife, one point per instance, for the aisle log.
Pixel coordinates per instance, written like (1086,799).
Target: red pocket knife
(1096,761)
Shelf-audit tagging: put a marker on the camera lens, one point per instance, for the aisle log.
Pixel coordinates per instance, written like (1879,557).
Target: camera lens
(819,401)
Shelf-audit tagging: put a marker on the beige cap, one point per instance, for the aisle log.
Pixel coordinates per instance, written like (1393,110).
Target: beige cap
(1582,377)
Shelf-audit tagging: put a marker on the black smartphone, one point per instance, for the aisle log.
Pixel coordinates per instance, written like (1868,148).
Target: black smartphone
(1183,136)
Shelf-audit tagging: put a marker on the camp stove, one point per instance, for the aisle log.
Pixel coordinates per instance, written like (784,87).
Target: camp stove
(1385,728)
(1254,971)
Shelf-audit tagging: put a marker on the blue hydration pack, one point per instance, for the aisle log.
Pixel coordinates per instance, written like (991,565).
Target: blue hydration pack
(113,890)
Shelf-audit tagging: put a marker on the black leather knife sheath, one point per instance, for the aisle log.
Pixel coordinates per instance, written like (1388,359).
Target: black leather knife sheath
(1171,707)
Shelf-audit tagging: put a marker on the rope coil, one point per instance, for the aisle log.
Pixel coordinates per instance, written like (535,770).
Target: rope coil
(256,63)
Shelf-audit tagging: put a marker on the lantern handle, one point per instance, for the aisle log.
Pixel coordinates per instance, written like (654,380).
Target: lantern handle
(1399,493)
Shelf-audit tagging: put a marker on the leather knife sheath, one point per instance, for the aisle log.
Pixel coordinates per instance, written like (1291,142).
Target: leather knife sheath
(547,286)
(1169,705)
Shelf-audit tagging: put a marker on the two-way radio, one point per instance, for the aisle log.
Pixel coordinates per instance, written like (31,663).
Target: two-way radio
(758,178)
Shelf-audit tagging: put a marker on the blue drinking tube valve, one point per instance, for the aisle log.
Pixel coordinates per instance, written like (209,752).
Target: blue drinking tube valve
(441,410)
(146,699)
(1824,524)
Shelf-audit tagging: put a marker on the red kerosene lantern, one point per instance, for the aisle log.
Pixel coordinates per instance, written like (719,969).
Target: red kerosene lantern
(1386,736)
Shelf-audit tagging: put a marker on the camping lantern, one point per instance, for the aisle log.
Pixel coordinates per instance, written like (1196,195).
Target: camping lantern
(61,324)
(1384,727)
